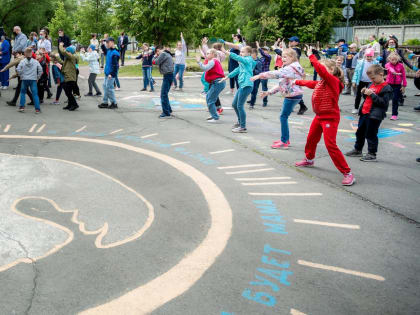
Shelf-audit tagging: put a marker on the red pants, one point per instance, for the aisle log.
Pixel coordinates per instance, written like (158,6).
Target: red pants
(329,128)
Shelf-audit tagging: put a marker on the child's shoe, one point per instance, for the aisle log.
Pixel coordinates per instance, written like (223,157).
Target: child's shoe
(354,152)
(279,141)
(393,117)
(305,163)
(355,111)
(37,111)
(348,179)
(21,109)
(56,103)
(369,157)
(239,130)
(280,145)
(220,110)
(235,126)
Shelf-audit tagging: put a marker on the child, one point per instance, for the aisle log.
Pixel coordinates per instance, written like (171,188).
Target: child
(70,75)
(163,59)
(29,71)
(351,57)
(244,73)
(43,80)
(93,58)
(257,70)
(266,61)
(372,112)
(213,75)
(339,62)
(110,72)
(235,48)
(397,80)
(147,58)
(291,70)
(327,115)
(360,77)
(58,77)
(279,61)
(180,53)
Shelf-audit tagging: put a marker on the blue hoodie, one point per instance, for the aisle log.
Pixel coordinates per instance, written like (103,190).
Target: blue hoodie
(5,49)
(334,51)
(111,66)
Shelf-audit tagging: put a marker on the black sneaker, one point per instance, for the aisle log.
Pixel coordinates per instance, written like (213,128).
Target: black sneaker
(369,157)
(89,94)
(249,102)
(354,152)
(418,160)
(98,94)
(302,110)
(264,105)
(67,107)
(113,106)
(417,108)
(143,90)
(10,103)
(49,96)
(71,109)
(103,105)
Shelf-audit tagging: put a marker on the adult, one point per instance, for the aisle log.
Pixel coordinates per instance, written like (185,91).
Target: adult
(392,46)
(373,43)
(63,38)
(21,41)
(342,47)
(163,59)
(235,47)
(94,41)
(103,49)
(122,46)
(44,41)
(33,41)
(4,60)
(294,42)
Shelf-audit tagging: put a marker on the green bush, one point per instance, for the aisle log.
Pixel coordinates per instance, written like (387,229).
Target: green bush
(412,42)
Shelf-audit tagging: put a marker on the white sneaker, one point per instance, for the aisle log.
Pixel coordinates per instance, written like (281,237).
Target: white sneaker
(229,92)
(117,89)
(4,87)
(212,120)
(355,111)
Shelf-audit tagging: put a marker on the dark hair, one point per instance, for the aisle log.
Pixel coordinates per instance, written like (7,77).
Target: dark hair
(239,37)
(159,47)
(375,69)
(387,43)
(61,30)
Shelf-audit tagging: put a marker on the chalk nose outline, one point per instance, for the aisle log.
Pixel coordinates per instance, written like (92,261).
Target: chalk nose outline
(177,280)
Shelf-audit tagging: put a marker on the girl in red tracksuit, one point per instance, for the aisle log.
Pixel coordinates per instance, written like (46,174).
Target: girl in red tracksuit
(327,119)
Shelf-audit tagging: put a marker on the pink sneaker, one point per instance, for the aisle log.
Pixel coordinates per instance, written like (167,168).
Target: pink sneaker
(393,117)
(279,141)
(304,163)
(280,145)
(348,179)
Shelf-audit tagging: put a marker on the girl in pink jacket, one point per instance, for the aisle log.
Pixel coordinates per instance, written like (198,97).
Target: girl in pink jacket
(397,80)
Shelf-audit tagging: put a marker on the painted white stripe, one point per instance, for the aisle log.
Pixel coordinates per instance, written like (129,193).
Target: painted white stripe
(268,183)
(246,179)
(41,128)
(296,312)
(344,226)
(240,166)
(338,269)
(179,143)
(115,131)
(284,194)
(222,151)
(7,128)
(32,128)
(81,129)
(148,136)
(250,171)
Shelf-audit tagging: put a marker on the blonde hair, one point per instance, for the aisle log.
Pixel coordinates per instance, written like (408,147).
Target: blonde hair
(291,53)
(340,57)
(248,49)
(336,71)
(213,52)
(393,55)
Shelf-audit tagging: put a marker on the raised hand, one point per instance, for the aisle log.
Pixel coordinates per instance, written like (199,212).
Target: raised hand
(198,58)
(258,44)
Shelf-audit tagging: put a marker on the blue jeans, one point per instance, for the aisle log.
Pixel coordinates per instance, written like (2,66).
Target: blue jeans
(255,92)
(147,77)
(109,93)
(288,105)
(117,82)
(179,69)
(164,98)
(31,84)
(213,93)
(238,104)
(4,76)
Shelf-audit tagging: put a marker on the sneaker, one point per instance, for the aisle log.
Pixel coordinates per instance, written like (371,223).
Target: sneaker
(212,120)
(56,103)
(417,108)
(346,93)
(348,179)
(180,90)
(113,106)
(21,109)
(117,89)
(5,87)
(235,126)
(393,117)
(304,163)
(369,157)
(280,145)
(98,94)
(10,103)
(251,106)
(354,111)
(89,94)
(164,116)
(67,107)
(354,152)
(143,90)
(239,130)
(49,96)
(249,102)
(175,88)
(220,110)
(203,93)
(209,118)
(279,141)
(103,105)
(72,109)
(302,110)
(229,92)
(37,111)
(152,90)
(265,105)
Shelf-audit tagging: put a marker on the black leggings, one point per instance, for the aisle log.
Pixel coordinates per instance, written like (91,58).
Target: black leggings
(232,82)
(69,88)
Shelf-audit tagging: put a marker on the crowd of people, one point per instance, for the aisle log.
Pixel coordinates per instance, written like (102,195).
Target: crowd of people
(374,73)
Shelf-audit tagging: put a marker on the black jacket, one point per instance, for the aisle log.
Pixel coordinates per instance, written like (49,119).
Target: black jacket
(65,39)
(125,43)
(380,103)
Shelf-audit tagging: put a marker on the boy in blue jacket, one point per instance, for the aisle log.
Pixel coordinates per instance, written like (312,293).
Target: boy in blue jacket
(111,72)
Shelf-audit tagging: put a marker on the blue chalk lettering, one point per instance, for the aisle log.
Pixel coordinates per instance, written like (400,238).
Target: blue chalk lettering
(273,261)
(268,249)
(280,275)
(268,209)
(226,313)
(263,202)
(275,228)
(260,297)
(274,218)
(265,282)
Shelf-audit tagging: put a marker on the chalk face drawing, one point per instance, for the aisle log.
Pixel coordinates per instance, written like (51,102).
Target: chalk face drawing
(42,191)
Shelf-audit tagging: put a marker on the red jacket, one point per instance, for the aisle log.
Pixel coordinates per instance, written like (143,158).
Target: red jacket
(214,73)
(326,92)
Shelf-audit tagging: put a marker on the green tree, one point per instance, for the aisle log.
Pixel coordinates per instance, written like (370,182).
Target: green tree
(61,20)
